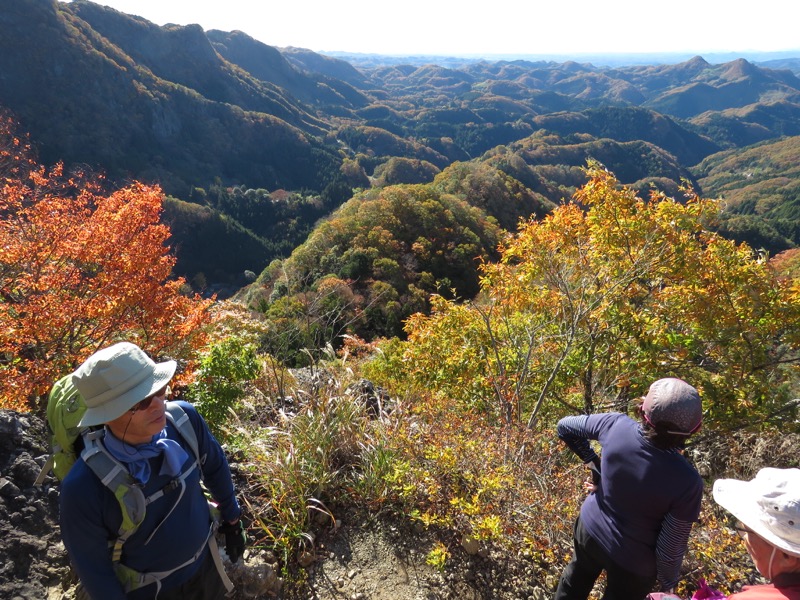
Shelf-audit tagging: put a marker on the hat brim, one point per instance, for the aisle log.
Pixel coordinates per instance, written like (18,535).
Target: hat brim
(740,498)
(113,409)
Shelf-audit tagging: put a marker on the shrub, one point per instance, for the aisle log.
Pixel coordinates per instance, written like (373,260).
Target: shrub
(220,380)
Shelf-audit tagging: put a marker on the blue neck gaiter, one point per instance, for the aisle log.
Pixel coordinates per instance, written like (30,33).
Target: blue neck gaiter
(136,457)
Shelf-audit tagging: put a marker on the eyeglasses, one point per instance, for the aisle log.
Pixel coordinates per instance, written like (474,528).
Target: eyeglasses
(742,530)
(145,404)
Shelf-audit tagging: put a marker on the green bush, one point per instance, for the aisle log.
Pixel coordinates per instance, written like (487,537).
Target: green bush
(223,371)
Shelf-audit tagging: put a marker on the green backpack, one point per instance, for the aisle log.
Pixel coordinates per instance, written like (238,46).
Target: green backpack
(65,408)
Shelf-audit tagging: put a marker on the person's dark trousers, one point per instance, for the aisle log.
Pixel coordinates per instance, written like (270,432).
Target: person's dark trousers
(588,561)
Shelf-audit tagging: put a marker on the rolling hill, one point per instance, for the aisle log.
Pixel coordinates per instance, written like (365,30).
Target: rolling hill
(211,115)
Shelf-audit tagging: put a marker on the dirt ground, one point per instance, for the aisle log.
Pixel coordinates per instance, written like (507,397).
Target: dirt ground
(378,560)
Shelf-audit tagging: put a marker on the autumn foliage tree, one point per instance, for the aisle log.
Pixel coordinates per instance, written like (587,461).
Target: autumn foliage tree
(604,295)
(371,264)
(79,269)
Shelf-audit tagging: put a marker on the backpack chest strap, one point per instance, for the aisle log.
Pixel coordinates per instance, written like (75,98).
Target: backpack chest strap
(132,579)
(173,484)
(115,476)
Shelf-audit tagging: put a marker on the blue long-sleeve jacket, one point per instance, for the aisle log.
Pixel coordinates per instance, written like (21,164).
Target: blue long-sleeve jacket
(647,499)
(91,516)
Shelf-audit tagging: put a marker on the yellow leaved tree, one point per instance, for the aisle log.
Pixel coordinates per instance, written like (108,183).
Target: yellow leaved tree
(606,294)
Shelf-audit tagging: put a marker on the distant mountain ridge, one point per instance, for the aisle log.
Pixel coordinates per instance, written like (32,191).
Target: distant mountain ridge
(152,107)
(85,99)
(786,59)
(206,112)
(681,90)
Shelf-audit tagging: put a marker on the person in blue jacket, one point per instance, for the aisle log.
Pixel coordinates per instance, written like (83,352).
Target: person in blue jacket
(644,496)
(126,391)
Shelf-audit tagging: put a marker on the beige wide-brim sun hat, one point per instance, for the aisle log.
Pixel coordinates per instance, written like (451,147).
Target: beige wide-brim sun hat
(769,504)
(114,379)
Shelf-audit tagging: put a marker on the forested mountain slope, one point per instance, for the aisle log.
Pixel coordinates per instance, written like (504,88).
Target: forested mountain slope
(233,125)
(85,99)
(759,188)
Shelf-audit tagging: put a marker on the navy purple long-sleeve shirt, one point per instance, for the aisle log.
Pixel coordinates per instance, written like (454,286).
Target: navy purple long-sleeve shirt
(642,511)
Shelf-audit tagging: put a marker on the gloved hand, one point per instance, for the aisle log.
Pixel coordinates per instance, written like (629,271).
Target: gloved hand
(235,539)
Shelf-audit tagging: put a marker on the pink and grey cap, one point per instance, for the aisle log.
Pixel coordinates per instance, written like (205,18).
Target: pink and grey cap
(671,400)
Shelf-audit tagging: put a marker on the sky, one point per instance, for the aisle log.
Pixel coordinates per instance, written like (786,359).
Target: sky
(492,27)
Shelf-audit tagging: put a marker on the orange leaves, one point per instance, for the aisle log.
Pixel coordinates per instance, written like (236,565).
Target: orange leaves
(80,269)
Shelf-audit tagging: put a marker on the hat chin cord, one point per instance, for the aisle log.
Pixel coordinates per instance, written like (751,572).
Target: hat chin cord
(771,558)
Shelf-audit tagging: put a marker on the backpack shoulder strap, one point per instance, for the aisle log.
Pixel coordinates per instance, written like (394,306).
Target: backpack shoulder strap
(129,494)
(115,476)
(180,419)
(133,503)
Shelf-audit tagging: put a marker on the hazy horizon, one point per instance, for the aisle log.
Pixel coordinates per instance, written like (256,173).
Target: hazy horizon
(760,55)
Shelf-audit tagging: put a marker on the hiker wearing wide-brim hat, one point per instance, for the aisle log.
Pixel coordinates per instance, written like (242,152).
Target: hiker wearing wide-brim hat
(768,510)
(644,495)
(161,451)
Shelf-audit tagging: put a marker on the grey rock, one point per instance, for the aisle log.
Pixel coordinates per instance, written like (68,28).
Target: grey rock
(8,489)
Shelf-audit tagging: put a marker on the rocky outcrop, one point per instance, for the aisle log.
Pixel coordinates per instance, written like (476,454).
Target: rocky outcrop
(33,562)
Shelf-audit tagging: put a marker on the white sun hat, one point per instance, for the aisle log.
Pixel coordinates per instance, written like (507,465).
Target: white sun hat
(769,505)
(114,379)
